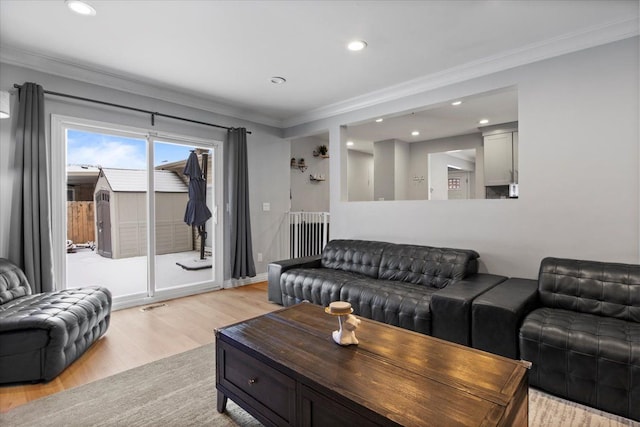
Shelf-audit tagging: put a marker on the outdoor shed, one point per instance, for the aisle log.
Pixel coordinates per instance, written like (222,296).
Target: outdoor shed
(121,213)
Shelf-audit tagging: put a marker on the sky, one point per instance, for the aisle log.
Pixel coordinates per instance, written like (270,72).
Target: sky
(111,151)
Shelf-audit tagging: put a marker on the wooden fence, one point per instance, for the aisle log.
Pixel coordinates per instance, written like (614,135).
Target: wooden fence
(81,222)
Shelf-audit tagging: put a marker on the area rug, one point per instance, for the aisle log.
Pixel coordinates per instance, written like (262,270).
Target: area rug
(180,391)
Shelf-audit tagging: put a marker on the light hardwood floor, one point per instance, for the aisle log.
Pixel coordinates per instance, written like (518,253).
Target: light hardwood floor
(137,337)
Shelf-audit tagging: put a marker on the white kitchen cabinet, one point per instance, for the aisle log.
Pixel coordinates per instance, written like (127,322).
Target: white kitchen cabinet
(500,159)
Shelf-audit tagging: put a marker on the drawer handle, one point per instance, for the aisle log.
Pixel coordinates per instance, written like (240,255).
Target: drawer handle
(252,381)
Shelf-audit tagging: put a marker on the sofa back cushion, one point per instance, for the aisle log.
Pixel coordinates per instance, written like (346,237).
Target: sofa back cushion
(13,282)
(426,265)
(605,289)
(356,256)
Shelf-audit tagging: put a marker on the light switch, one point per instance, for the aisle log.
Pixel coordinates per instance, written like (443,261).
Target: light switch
(266,206)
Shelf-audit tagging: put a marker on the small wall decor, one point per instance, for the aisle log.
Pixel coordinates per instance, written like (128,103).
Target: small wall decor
(321,151)
(347,322)
(298,164)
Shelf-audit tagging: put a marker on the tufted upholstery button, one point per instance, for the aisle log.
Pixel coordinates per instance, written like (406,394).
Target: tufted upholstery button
(41,334)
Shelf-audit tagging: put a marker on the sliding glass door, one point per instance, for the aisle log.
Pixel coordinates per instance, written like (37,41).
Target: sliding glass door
(120,199)
(184,251)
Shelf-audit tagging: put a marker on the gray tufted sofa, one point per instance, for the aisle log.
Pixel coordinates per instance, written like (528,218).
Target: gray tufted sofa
(420,288)
(579,325)
(42,334)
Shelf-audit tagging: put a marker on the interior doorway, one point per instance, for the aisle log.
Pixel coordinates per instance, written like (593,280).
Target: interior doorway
(458,183)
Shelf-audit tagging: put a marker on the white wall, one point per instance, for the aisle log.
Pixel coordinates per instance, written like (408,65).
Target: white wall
(268,153)
(360,176)
(401,169)
(438,176)
(307,195)
(391,169)
(579,169)
(384,170)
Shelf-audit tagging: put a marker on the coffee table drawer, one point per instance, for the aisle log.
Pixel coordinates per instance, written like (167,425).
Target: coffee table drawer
(266,389)
(320,411)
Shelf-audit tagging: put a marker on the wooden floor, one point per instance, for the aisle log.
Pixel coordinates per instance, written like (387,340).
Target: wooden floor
(137,337)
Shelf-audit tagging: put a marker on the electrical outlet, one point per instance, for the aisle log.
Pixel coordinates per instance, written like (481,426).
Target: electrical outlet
(266,206)
(259,256)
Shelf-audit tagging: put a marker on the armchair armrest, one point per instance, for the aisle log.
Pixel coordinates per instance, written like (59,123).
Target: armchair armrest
(451,307)
(498,314)
(276,268)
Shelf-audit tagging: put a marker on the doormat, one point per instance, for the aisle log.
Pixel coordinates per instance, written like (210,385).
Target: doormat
(195,264)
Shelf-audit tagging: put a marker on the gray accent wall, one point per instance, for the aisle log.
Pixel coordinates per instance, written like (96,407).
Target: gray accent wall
(268,153)
(579,163)
(578,160)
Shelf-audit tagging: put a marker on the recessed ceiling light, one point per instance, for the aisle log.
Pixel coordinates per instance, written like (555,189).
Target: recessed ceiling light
(415,133)
(357,45)
(278,80)
(484,121)
(379,120)
(81,7)
(349,143)
(456,103)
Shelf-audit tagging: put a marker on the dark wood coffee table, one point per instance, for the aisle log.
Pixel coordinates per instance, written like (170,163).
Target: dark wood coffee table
(284,369)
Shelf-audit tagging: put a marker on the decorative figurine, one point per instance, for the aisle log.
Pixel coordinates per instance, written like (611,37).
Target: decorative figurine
(346,335)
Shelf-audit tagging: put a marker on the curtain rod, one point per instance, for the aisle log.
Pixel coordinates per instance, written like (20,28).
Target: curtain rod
(125,107)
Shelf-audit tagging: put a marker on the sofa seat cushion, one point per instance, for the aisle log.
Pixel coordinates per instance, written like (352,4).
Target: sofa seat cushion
(588,358)
(317,285)
(395,303)
(59,326)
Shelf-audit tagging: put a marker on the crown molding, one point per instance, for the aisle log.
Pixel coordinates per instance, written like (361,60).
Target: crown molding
(126,83)
(568,43)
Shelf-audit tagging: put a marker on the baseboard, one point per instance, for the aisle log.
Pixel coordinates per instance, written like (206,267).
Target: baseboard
(128,301)
(234,283)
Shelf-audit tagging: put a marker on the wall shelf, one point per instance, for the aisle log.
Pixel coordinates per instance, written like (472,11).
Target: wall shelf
(301,166)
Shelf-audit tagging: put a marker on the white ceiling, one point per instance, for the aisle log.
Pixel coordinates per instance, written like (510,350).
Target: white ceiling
(224,52)
(438,121)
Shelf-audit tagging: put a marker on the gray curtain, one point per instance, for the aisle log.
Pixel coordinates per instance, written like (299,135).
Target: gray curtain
(30,245)
(242,264)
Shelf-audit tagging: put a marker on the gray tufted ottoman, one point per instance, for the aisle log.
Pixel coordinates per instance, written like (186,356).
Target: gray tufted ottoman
(42,334)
